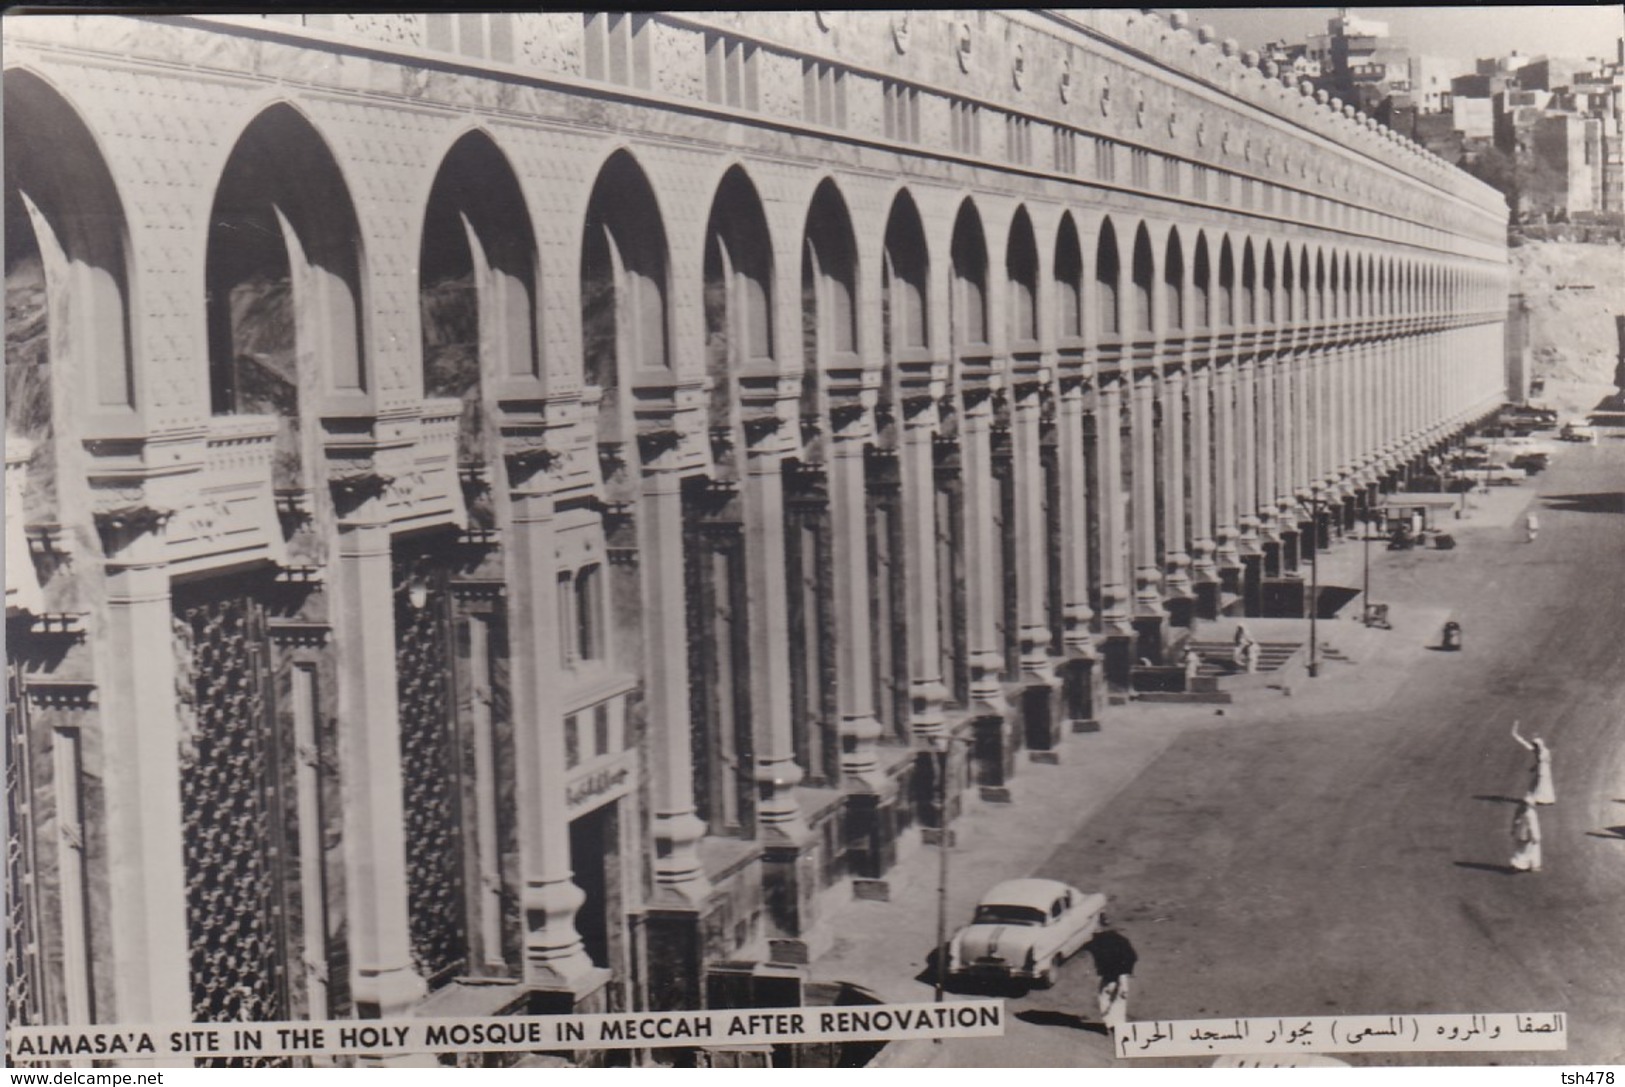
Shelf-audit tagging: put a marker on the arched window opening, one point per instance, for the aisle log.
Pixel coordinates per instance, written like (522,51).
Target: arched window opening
(623,287)
(907,326)
(1068,281)
(1021,267)
(1144,274)
(969,261)
(1107,275)
(283,280)
(1336,294)
(1320,286)
(1267,310)
(1202,281)
(476,276)
(1289,304)
(1227,286)
(1249,286)
(1173,283)
(65,238)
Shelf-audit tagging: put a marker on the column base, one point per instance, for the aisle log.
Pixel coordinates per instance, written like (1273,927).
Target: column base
(1181,609)
(1150,636)
(996,741)
(1117,659)
(1272,558)
(1230,579)
(674,957)
(1081,693)
(1252,583)
(871,834)
(1208,598)
(788,888)
(1041,709)
(1289,551)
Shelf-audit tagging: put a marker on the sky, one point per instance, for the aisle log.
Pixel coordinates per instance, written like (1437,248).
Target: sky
(1465,33)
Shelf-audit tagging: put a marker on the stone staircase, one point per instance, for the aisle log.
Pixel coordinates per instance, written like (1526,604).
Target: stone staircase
(1218,658)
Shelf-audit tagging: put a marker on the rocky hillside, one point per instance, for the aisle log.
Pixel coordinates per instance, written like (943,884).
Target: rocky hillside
(1574,291)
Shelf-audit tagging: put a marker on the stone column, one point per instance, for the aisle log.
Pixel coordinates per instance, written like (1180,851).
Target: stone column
(681,886)
(1225,466)
(1081,691)
(1247,455)
(554,956)
(1147,574)
(778,815)
(854,627)
(1266,430)
(141,780)
(917,471)
(382,980)
(1040,711)
(984,595)
(1204,574)
(1174,456)
(1115,602)
(1289,438)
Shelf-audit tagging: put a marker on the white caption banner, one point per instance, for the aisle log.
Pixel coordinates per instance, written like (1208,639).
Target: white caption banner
(1342,1034)
(496,1034)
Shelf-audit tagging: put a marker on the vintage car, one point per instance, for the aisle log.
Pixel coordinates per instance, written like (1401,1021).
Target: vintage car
(1023,930)
(1494,473)
(1577,430)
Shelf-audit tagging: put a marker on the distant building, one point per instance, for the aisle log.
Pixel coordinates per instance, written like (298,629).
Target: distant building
(1546,73)
(1474,118)
(1431,81)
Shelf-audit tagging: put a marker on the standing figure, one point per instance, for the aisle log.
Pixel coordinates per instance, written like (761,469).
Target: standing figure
(1192,661)
(1541,790)
(1114,962)
(1245,652)
(1531,525)
(1526,838)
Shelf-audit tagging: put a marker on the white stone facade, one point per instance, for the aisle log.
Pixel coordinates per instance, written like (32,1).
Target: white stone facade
(674,427)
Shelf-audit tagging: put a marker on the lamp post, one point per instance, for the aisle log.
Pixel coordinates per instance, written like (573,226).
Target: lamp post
(1314,581)
(941,747)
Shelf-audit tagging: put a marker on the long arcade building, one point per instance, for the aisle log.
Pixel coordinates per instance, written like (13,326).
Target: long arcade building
(506,510)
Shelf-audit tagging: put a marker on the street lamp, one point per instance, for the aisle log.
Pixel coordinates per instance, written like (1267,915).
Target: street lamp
(1314,579)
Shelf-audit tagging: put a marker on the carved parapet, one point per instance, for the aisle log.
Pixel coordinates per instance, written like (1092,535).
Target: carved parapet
(232,512)
(401,468)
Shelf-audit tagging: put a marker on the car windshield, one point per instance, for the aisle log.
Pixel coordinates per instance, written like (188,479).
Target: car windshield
(1008,915)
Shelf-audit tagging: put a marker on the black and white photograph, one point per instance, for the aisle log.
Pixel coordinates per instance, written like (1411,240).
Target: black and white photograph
(1082,538)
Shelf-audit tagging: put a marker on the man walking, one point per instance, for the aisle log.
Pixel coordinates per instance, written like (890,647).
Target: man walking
(1114,962)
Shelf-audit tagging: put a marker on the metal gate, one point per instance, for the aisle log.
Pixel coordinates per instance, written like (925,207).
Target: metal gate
(234,819)
(25,995)
(435,853)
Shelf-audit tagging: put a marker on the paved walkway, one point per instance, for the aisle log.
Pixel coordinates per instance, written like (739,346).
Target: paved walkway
(885,946)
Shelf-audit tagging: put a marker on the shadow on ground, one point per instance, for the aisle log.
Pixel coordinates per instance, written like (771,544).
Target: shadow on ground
(1501,869)
(1041,1018)
(1497,799)
(1616,834)
(1596,502)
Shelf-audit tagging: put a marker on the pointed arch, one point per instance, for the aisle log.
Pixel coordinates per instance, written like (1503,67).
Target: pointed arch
(1289,280)
(1249,285)
(1227,285)
(1267,286)
(1108,274)
(738,295)
(1173,282)
(66,233)
(1068,272)
(829,288)
(1144,274)
(1021,269)
(1202,282)
(283,274)
(624,325)
(476,283)
(968,262)
(904,279)
(1320,285)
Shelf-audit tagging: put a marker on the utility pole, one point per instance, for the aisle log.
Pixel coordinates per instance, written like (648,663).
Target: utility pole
(1314,585)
